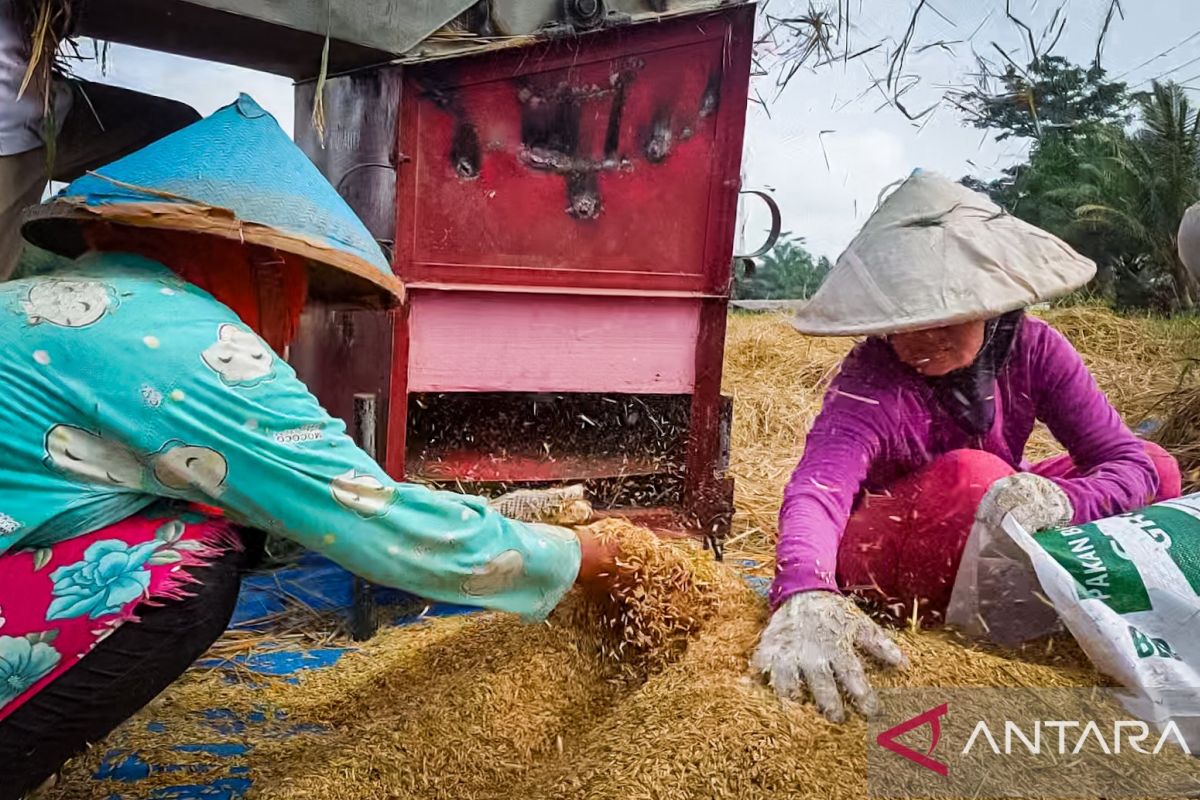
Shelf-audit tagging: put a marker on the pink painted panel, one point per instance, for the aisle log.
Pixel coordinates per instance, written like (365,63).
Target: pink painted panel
(503,342)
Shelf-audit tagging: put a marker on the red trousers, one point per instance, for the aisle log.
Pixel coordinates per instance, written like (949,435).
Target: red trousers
(904,546)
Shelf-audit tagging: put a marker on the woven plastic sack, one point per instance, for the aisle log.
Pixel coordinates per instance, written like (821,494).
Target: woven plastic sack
(1126,587)
(936,253)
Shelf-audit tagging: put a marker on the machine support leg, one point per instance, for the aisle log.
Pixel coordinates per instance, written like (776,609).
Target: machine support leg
(364,618)
(707,495)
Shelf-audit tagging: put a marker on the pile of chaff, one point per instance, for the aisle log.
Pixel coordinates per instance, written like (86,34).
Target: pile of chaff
(646,696)
(1180,431)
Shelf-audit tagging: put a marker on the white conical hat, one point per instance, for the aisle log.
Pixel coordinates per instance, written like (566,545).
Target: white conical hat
(936,253)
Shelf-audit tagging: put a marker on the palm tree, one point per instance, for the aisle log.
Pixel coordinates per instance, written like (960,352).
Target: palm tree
(1142,190)
(788,272)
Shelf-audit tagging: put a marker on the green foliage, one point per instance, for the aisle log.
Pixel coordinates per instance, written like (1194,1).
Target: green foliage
(35,261)
(1075,117)
(1138,193)
(787,272)
(1044,191)
(1116,196)
(1050,96)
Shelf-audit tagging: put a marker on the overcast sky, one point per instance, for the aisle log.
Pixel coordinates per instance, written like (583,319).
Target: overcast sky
(827,183)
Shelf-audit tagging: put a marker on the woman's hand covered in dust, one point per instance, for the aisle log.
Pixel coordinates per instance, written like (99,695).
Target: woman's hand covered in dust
(811,641)
(597,562)
(1035,502)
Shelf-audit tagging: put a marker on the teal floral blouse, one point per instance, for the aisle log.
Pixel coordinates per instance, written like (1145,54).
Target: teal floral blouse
(121,383)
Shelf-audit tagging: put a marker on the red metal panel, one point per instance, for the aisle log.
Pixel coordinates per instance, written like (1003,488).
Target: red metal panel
(708,493)
(601,161)
(475,467)
(340,352)
(397,432)
(500,342)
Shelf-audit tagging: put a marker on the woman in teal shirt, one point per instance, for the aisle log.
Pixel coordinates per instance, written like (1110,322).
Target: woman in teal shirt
(147,370)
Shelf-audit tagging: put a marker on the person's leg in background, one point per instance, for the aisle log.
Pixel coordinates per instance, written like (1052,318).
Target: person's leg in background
(22,181)
(904,547)
(120,676)
(104,124)
(1170,480)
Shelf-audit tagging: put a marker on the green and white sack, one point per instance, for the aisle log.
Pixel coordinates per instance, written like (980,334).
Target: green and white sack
(1126,587)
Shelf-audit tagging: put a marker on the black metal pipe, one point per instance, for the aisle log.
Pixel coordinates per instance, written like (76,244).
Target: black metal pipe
(364,617)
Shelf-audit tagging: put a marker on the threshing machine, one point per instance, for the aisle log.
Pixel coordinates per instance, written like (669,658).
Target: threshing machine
(557,184)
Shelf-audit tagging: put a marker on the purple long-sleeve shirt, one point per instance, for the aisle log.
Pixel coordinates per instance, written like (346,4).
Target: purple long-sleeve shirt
(880,421)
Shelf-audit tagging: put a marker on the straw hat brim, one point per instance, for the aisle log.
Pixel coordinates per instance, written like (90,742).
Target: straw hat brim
(935,253)
(334,274)
(811,327)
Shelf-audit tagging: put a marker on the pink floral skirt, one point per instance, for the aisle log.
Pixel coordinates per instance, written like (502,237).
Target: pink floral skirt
(57,603)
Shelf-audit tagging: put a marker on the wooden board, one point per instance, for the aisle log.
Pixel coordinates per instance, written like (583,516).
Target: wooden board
(285,37)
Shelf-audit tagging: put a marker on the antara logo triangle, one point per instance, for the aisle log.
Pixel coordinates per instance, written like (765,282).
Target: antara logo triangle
(932,718)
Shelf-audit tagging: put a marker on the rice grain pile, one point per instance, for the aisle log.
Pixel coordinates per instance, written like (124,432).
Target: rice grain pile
(666,592)
(1134,359)
(486,707)
(646,695)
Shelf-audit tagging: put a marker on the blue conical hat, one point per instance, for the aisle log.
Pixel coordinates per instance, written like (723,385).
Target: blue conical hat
(235,174)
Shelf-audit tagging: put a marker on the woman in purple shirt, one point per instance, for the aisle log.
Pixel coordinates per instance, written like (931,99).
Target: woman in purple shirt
(926,418)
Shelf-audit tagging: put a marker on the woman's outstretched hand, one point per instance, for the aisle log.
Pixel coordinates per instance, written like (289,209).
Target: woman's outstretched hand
(812,641)
(597,563)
